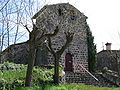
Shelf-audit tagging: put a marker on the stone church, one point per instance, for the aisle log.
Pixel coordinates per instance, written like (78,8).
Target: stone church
(75,57)
(68,18)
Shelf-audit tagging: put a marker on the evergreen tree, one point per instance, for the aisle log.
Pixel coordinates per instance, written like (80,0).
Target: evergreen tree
(91,50)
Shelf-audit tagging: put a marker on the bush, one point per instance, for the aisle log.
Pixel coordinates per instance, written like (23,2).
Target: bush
(13,75)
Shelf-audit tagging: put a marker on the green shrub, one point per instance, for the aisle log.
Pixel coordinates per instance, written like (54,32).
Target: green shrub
(13,75)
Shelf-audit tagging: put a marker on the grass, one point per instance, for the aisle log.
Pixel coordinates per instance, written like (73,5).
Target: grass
(12,77)
(72,86)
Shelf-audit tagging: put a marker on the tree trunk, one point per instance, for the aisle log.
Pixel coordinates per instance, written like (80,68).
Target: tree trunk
(56,69)
(30,65)
(31,61)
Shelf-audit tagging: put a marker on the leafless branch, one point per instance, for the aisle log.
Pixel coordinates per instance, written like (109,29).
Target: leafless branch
(21,36)
(27,28)
(50,46)
(38,41)
(69,37)
(4,5)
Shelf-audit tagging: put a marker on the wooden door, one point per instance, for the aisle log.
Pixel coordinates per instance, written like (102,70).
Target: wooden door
(68,62)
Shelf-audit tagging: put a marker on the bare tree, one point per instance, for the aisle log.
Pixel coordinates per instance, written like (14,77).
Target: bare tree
(57,55)
(13,13)
(22,12)
(33,43)
(4,5)
(32,53)
(5,28)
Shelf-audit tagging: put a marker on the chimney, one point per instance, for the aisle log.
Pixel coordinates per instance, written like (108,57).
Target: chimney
(108,46)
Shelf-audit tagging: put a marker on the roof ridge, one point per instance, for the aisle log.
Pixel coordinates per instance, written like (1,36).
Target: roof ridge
(108,51)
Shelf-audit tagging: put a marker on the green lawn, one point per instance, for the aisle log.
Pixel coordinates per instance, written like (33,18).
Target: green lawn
(69,87)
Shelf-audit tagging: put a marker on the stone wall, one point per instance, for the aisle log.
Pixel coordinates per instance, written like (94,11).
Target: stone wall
(70,20)
(67,18)
(112,78)
(71,77)
(17,53)
(109,59)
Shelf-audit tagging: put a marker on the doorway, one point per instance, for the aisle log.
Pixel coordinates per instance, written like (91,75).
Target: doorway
(68,62)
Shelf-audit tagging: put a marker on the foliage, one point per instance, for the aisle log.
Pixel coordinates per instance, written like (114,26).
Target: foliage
(13,75)
(68,87)
(91,50)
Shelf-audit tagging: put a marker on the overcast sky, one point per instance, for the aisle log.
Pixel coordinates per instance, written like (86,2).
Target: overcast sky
(103,19)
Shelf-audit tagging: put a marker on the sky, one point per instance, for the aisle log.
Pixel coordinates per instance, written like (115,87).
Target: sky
(103,19)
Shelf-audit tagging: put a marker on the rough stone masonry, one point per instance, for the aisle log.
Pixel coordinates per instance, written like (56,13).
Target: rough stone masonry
(67,18)
(74,59)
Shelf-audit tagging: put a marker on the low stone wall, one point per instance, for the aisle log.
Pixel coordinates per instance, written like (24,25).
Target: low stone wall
(72,77)
(114,80)
(103,82)
(112,77)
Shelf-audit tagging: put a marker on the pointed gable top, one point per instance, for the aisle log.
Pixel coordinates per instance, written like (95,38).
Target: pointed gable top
(50,6)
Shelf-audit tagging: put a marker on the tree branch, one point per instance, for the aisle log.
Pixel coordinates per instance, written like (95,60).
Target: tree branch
(55,32)
(48,49)
(50,46)
(69,37)
(27,28)
(4,5)
(38,41)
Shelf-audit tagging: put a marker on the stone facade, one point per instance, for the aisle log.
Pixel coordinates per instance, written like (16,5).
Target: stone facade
(17,53)
(67,18)
(109,59)
(108,64)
